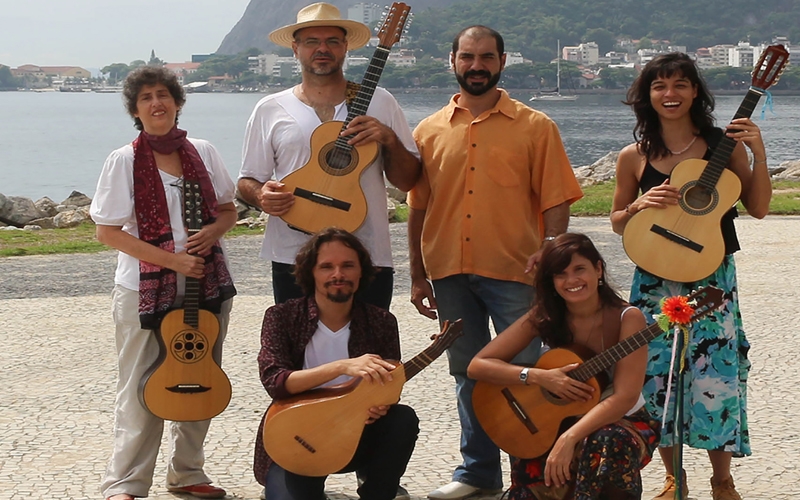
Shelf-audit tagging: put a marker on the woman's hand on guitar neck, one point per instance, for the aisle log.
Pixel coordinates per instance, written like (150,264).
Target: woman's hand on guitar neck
(559,383)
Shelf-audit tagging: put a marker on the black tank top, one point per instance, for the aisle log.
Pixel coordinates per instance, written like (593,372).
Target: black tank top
(652,178)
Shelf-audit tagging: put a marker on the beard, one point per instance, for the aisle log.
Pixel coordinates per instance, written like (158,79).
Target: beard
(327,65)
(477,89)
(339,296)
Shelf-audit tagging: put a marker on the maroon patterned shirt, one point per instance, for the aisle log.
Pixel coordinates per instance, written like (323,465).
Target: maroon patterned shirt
(287,330)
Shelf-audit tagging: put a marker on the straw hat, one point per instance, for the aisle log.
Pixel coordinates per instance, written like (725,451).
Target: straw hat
(322,14)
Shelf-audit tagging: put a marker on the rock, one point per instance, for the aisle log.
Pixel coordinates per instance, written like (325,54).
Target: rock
(18,210)
(10,228)
(77,199)
(32,227)
(241,208)
(71,218)
(44,223)
(395,194)
(46,207)
(791,170)
(391,208)
(602,170)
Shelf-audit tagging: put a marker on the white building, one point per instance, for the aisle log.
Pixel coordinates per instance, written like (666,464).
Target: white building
(402,57)
(366,13)
(513,58)
(586,53)
(719,54)
(744,55)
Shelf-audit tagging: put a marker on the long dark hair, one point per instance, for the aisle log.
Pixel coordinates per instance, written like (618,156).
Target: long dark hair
(306,258)
(549,311)
(647,132)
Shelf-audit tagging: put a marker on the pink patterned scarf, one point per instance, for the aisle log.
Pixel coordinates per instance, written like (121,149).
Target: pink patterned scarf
(158,285)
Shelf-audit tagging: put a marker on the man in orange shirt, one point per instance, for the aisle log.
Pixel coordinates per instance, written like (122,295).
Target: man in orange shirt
(496,184)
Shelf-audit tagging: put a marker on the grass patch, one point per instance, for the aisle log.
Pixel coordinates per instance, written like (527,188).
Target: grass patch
(596,202)
(597,199)
(50,241)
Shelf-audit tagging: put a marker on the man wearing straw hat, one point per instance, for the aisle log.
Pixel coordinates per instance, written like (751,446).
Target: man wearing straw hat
(277,142)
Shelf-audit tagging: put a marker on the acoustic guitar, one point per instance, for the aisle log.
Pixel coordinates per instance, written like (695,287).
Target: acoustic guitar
(525,420)
(185,383)
(684,242)
(327,189)
(316,433)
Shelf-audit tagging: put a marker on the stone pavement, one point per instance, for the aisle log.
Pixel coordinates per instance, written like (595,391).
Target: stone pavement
(58,374)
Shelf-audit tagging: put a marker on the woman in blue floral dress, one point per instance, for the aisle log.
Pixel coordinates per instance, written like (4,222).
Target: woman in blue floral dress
(674,113)
(602,454)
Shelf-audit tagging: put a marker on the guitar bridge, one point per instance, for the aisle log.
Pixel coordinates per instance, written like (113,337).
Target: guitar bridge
(188,389)
(322,199)
(676,238)
(519,411)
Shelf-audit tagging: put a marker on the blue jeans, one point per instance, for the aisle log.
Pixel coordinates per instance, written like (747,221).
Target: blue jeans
(476,299)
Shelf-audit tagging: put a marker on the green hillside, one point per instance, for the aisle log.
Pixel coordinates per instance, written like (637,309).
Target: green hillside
(533,27)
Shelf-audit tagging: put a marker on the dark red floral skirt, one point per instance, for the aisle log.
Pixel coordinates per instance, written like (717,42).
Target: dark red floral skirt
(607,464)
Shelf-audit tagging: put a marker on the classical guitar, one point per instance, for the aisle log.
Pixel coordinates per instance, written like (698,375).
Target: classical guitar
(316,433)
(186,383)
(327,189)
(684,242)
(525,420)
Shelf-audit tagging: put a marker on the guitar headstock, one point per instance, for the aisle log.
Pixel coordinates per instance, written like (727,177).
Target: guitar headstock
(769,67)
(192,206)
(705,301)
(392,28)
(450,332)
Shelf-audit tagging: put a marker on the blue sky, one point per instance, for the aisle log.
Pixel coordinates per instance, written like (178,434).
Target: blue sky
(95,33)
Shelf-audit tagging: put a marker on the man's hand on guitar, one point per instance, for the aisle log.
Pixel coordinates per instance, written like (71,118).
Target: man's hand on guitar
(559,383)
(366,129)
(272,200)
(370,367)
(421,291)
(376,412)
(188,265)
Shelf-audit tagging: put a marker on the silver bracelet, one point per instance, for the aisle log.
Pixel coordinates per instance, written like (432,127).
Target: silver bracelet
(756,162)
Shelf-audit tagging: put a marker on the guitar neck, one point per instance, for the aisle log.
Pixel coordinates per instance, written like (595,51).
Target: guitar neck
(722,153)
(416,364)
(607,358)
(361,102)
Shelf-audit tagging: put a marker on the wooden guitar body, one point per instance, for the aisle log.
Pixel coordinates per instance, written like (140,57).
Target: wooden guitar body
(524,420)
(316,433)
(327,190)
(186,384)
(683,242)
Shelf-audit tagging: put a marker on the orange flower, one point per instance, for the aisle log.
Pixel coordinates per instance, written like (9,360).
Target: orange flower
(677,310)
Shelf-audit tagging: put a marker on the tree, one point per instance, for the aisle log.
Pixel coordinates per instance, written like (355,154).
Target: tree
(7,79)
(116,72)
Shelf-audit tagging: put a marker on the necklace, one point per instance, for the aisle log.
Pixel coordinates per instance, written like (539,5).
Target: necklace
(676,153)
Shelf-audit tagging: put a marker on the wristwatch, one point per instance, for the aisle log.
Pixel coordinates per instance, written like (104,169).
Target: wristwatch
(523,376)
(548,238)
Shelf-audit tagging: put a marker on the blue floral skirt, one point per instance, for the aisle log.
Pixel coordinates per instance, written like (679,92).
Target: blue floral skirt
(715,384)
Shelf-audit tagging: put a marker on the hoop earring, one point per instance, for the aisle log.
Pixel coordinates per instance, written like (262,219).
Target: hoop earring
(600,282)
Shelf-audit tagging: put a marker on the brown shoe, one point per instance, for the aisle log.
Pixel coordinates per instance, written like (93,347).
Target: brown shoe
(669,490)
(724,490)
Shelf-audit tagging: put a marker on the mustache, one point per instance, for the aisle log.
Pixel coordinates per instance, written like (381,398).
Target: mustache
(338,282)
(484,74)
(321,55)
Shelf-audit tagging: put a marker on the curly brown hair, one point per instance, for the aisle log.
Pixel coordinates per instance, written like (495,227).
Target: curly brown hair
(549,311)
(150,75)
(306,258)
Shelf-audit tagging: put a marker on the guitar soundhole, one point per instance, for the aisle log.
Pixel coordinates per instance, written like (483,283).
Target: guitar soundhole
(189,346)
(336,160)
(553,399)
(697,200)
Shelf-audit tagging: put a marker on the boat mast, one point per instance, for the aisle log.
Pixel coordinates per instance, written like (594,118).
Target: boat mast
(558,68)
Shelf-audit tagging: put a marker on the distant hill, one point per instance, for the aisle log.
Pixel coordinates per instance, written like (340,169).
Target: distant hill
(263,16)
(533,26)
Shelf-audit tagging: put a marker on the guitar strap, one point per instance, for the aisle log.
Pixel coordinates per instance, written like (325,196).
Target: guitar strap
(351,92)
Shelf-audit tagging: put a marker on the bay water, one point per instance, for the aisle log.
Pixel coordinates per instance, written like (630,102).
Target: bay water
(52,143)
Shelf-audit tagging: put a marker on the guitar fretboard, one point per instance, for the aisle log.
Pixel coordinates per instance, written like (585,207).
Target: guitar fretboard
(607,358)
(360,104)
(722,153)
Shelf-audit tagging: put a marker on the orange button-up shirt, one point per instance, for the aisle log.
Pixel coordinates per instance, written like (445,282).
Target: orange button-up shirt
(486,181)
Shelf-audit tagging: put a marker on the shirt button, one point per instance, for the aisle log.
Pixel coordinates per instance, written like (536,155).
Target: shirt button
(467,239)
(470,191)
(472,168)
(474,145)
(469,216)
